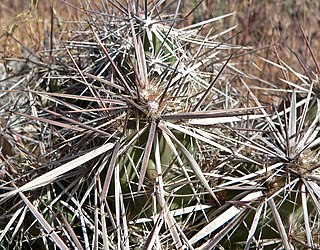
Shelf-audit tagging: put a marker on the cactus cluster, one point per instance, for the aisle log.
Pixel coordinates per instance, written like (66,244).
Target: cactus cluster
(139,132)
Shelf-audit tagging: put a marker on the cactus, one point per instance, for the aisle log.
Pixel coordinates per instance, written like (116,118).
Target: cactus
(133,134)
